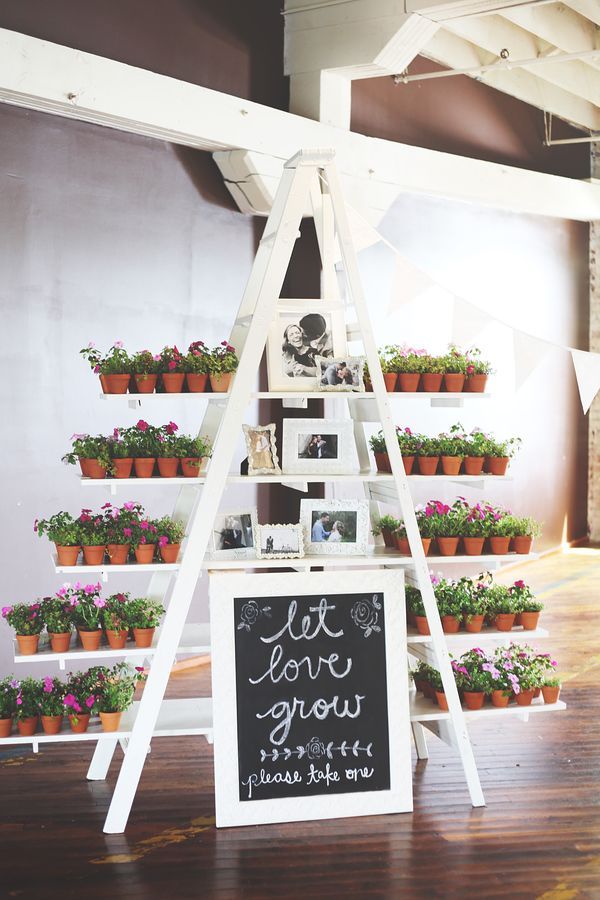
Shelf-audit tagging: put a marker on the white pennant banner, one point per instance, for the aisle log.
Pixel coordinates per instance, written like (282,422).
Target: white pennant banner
(408,283)
(587,372)
(467,322)
(529,351)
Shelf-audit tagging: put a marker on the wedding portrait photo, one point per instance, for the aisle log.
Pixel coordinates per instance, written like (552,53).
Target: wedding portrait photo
(280,541)
(233,534)
(335,526)
(317,446)
(261,449)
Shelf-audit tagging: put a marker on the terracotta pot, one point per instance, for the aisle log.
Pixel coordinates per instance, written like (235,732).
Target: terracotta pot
(94,469)
(81,725)
(524,698)
(145,384)
(473,624)
(419,685)
(144,466)
(402,545)
(67,556)
(529,620)
(103,384)
(221,383)
(522,543)
(167,466)
(110,720)
(518,619)
(144,554)
(143,636)
(27,726)
(422,625)
(169,553)
(454,382)
(93,555)
(123,467)
(504,621)
(428,464)
(473,545)
(428,691)
(115,384)
(474,465)
(496,465)
(190,466)
(391,380)
(51,724)
(431,382)
(450,624)
(408,463)
(90,640)
(499,545)
(475,384)
(382,461)
(118,554)
(474,699)
(442,702)
(550,694)
(196,382)
(60,642)
(426,545)
(173,382)
(116,639)
(83,465)
(447,545)
(388,537)
(28,644)
(409,382)
(500,699)
(5,727)
(536,692)
(451,465)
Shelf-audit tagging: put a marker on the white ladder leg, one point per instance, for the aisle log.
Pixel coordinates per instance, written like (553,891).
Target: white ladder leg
(102,759)
(420,738)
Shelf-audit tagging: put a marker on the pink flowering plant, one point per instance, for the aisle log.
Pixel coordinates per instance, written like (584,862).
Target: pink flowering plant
(142,439)
(144,531)
(403,359)
(142,612)
(525,668)
(83,691)
(223,359)
(61,528)
(438,519)
(144,362)
(118,446)
(28,698)
(197,359)
(92,528)
(118,687)
(524,598)
(86,604)
(9,690)
(120,521)
(56,612)
(25,618)
(169,531)
(52,696)
(475,672)
(114,612)
(170,360)
(167,440)
(115,362)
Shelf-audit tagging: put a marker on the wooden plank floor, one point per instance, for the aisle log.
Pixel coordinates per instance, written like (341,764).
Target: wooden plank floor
(538,837)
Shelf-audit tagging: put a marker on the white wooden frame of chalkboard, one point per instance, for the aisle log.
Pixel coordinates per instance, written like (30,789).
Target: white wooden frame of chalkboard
(230,810)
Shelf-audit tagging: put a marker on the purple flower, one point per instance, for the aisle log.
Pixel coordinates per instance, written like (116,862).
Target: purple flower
(89,589)
(6,611)
(48,685)
(129,506)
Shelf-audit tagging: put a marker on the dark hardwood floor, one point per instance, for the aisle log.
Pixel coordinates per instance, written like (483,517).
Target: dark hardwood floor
(538,837)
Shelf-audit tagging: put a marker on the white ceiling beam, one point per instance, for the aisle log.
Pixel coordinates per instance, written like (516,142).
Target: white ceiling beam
(589,9)
(39,75)
(448,9)
(559,26)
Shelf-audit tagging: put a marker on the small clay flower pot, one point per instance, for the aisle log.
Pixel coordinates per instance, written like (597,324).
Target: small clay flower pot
(83,465)
(388,537)
(408,463)
(447,546)
(422,625)
(221,382)
(409,382)
(190,466)
(391,380)
(60,642)
(79,723)
(169,553)
(67,556)
(28,644)
(431,382)
(173,382)
(450,624)
(524,698)
(118,554)
(475,384)
(500,699)
(93,555)
(499,545)
(522,543)
(94,469)
(382,461)
(143,636)
(6,727)
(145,384)
(196,382)
(51,724)
(419,685)
(167,466)
(402,545)
(116,639)
(550,693)
(529,620)
(473,624)
(110,720)
(122,467)
(474,699)
(27,726)
(496,465)
(90,640)
(504,621)
(426,545)
(144,553)
(144,466)
(115,384)
(451,465)
(454,382)
(442,702)
(427,464)
(473,465)
(473,545)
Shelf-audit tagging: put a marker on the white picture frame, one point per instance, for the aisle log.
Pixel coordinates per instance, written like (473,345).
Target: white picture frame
(352,521)
(338,368)
(319,446)
(247,523)
(259,455)
(235,758)
(280,541)
(292,367)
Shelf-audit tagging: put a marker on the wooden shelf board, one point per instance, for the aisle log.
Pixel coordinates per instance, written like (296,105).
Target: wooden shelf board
(424,710)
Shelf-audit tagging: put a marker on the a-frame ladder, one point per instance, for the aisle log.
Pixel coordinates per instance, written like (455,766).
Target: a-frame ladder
(304,176)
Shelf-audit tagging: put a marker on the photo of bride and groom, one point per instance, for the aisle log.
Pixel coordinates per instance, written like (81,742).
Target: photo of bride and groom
(333,527)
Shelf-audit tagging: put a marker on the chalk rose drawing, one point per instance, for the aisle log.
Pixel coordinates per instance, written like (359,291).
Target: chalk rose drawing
(365,615)
(251,612)
(316,749)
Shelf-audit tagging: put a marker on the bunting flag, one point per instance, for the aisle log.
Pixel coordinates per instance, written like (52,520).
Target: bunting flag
(529,351)
(468,321)
(408,283)
(587,372)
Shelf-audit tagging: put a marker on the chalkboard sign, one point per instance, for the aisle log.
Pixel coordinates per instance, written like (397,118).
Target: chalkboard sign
(310,696)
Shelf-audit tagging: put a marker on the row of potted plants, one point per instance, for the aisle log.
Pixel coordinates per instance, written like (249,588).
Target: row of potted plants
(469,604)
(100,691)
(452,452)
(123,533)
(81,607)
(170,371)
(142,449)
(471,527)
(410,369)
(515,673)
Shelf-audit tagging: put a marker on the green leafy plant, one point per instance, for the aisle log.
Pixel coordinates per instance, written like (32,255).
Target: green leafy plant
(170,360)
(475,443)
(114,612)
(502,449)
(115,362)
(197,359)
(144,363)
(450,596)
(93,530)
(28,698)
(9,691)
(427,446)
(501,600)
(377,443)
(25,618)
(56,613)
(142,439)
(193,448)
(61,528)
(142,612)
(455,361)
(86,446)
(52,697)
(388,522)
(86,605)
(525,527)
(414,600)
(223,359)
(118,687)
(83,691)
(169,531)
(476,365)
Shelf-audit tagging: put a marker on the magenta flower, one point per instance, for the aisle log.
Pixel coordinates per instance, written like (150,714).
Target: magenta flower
(139,668)
(19,700)
(90,701)
(142,425)
(163,540)
(106,506)
(519,584)
(172,365)
(127,532)
(96,369)
(48,685)
(144,525)
(129,506)
(6,611)
(156,357)
(143,539)
(99,603)
(89,589)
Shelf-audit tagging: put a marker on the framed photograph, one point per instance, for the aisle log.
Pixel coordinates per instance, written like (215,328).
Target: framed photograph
(234,535)
(310,696)
(335,526)
(298,335)
(312,446)
(261,449)
(279,541)
(344,373)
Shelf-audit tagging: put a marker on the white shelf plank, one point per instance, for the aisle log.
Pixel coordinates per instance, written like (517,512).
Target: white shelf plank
(384,480)
(156,481)
(176,718)
(109,568)
(195,639)
(424,710)
(486,634)
(377,556)
(306,395)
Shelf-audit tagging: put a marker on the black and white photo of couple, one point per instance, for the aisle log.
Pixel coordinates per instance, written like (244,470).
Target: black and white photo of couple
(303,341)
(233,532)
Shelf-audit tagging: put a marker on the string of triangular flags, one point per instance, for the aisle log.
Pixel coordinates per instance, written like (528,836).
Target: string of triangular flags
(469,319)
